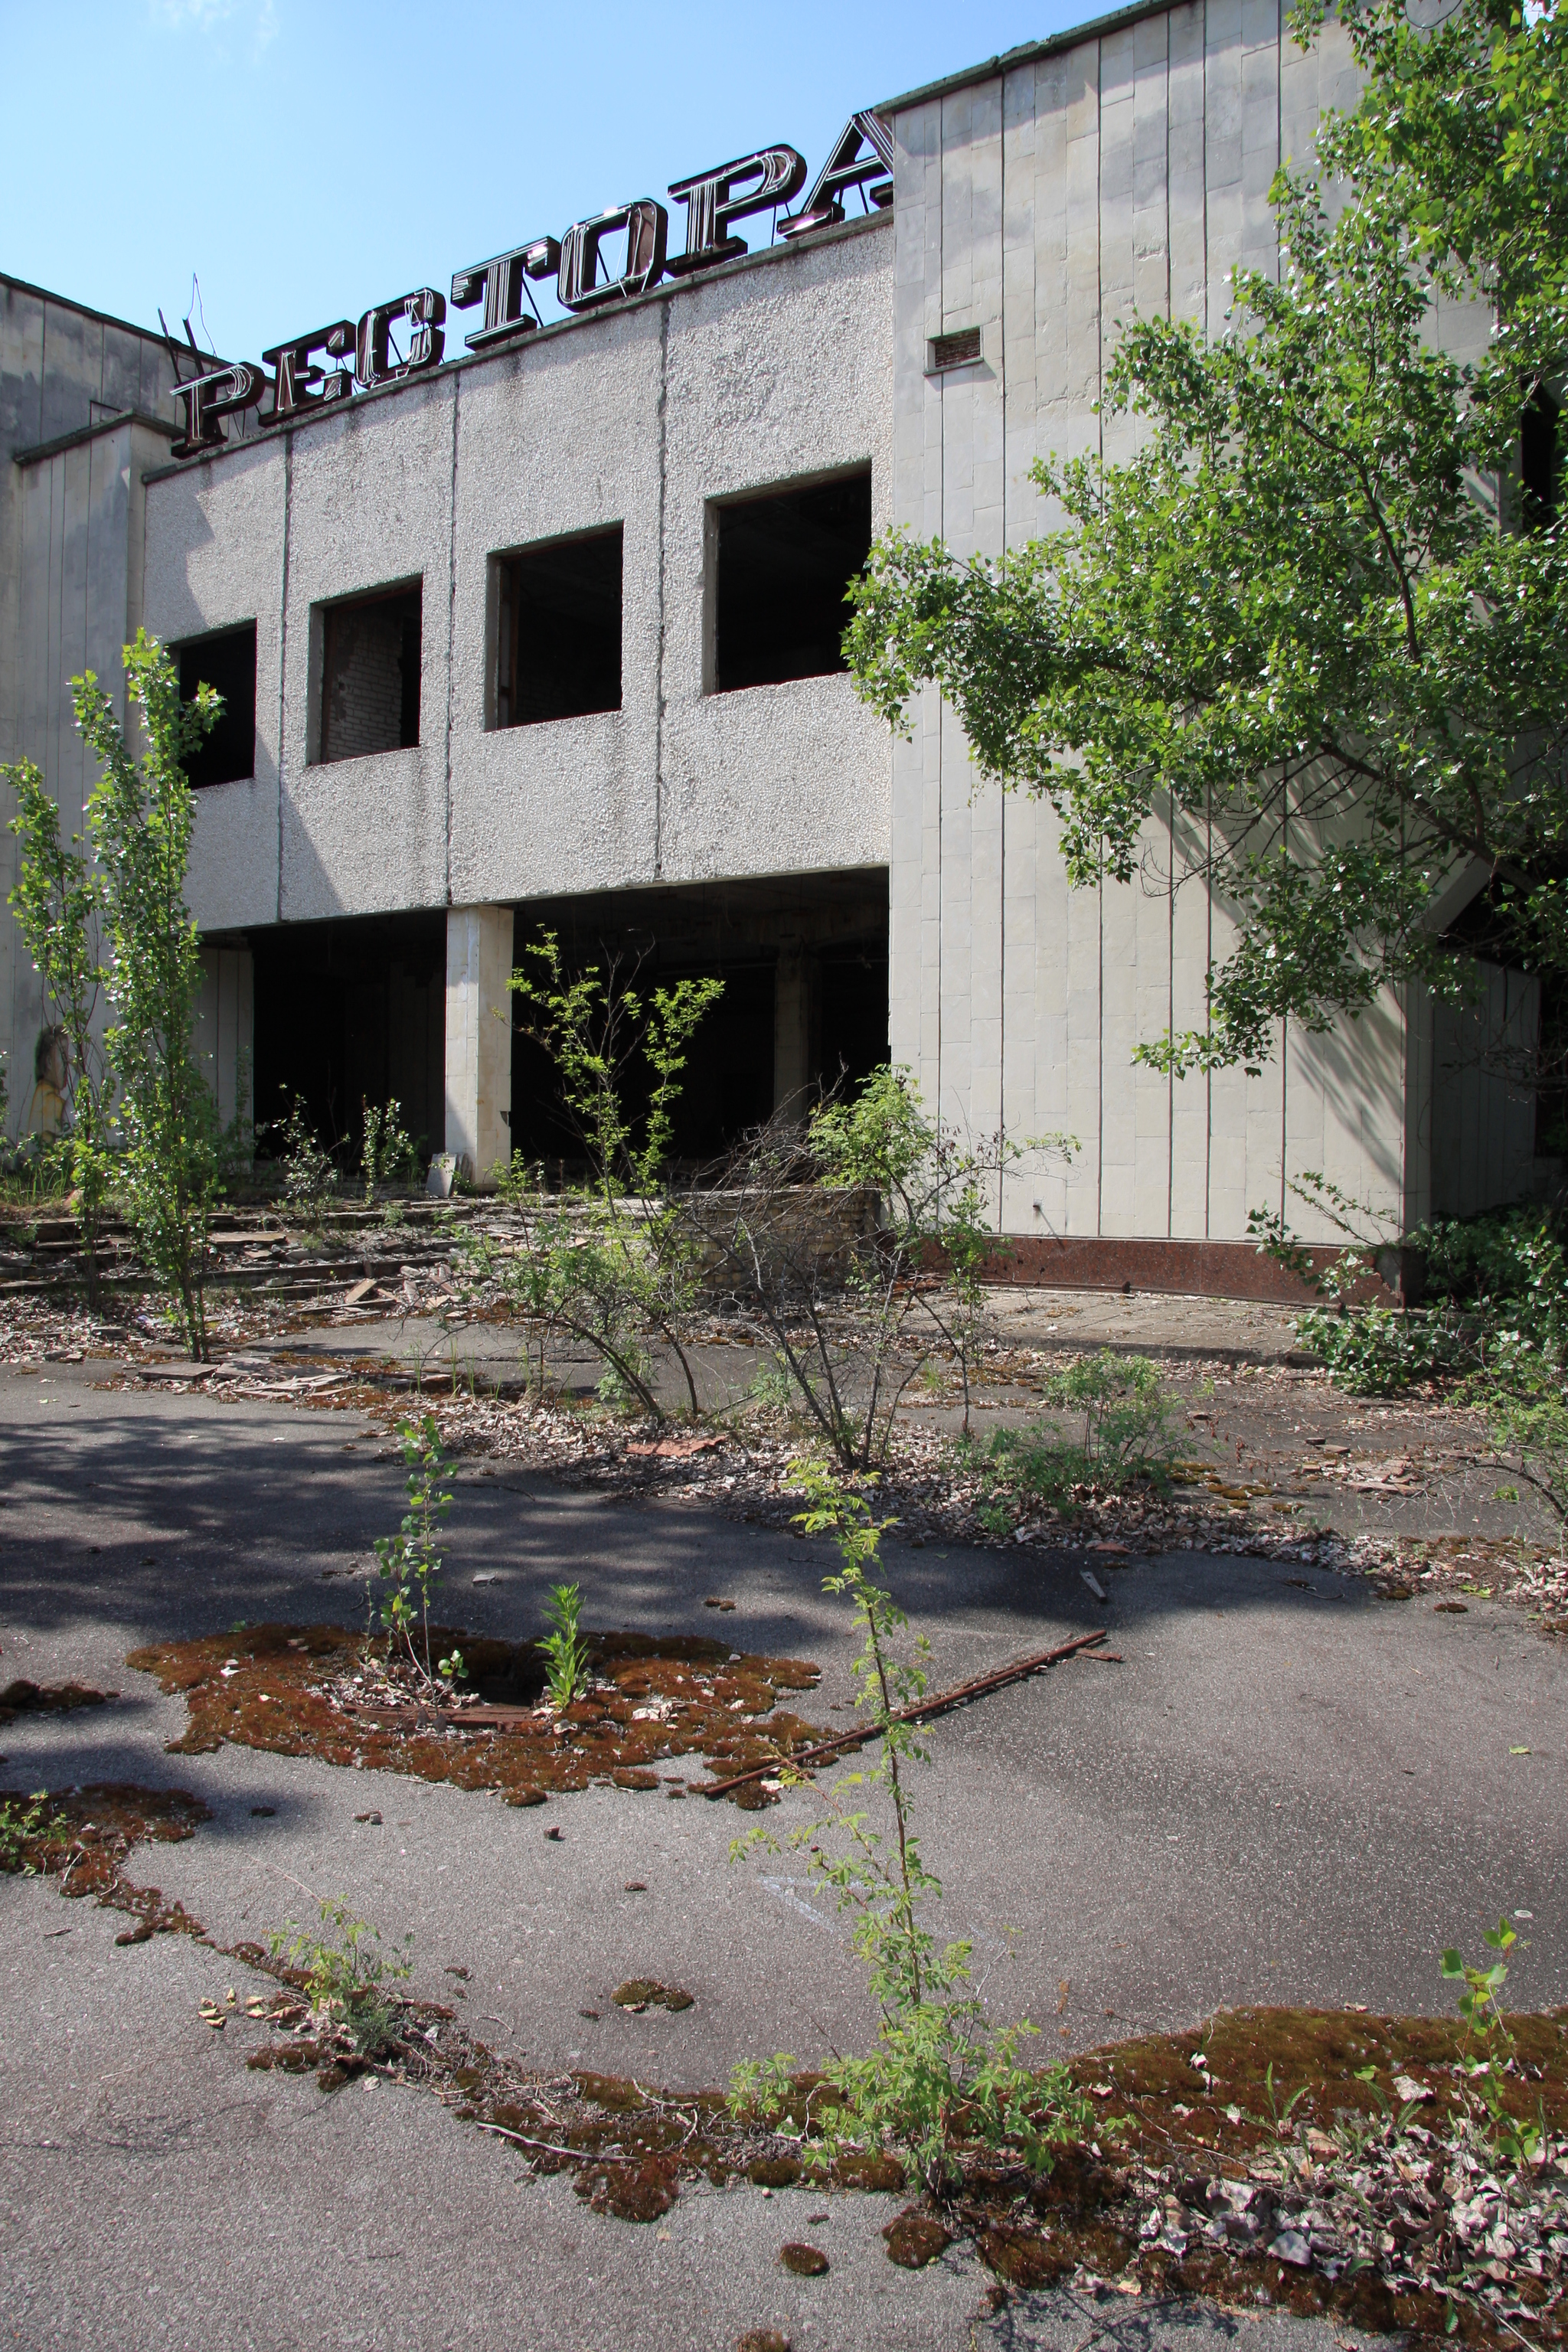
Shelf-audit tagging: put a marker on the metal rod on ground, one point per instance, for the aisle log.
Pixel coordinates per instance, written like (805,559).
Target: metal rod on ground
(975,1689)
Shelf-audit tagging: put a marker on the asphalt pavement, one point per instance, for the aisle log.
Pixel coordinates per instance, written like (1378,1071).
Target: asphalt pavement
(1289,1790)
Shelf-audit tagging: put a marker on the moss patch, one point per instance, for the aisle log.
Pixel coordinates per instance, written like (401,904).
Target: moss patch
(291,1689)
(22,1698)
(81,1836)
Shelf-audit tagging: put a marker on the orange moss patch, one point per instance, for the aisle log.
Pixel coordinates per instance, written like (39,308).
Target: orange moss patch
(1326,2050)
(81,1836)
(287,1688)
(629,2147)
(22,1697)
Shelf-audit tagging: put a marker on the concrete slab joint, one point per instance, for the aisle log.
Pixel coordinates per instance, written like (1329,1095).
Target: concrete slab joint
(478,1038)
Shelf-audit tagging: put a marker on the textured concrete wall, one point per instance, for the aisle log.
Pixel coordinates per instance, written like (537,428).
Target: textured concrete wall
(768,371)
(1123,174)
(71,572)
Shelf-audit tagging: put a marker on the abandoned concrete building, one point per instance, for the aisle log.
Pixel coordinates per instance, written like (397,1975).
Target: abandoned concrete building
(545,631)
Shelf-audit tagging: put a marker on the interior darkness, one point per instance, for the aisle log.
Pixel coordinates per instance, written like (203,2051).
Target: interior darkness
(1488,930)
(226,662)
(1541,460)
(730,931)
(558,653)
(370,675)
(784,560)
(349,1012)
(852,995)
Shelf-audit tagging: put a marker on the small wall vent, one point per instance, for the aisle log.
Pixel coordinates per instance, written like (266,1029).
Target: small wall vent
(961,348)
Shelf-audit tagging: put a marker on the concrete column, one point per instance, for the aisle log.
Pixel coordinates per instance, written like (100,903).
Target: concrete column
(478,1036)
(225,1035)
(792,1070)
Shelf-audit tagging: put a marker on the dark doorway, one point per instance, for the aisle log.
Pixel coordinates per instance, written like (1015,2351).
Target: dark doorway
(349,1012)
(853,997)
(558,639)
(783,562)
(227,663)
(1541,460)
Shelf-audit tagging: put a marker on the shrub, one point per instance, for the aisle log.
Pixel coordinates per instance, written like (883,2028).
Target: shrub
(565,1652)
(343,1975)
(1124,1436)
(410,1558)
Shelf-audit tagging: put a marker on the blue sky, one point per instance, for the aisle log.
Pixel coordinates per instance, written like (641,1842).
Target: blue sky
(306,158)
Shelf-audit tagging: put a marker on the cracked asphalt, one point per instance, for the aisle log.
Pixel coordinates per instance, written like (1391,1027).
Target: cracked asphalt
(1290,1791)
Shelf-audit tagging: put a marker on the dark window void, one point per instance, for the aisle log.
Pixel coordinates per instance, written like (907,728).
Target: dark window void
(1540,461)
(558,653)
(226,662)
(369,676)
(783,563)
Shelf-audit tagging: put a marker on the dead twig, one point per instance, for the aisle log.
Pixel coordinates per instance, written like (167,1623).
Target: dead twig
(548,2146)
(975,1688)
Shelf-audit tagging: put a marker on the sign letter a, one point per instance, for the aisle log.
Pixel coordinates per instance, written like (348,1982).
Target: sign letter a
(861,157)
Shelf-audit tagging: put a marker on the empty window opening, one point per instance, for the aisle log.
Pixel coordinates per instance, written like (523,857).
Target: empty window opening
(370,675)
(227,663)
(1541,460)
(783,562)
(558,641)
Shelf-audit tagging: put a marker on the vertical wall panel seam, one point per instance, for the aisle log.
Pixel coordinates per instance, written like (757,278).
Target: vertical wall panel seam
(942,532)
(1206,789)
(451,619)
(1002,789)
(1101,450)
(1171,811)
(707,587)
(283,655)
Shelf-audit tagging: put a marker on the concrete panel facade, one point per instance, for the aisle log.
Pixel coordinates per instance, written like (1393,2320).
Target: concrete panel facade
(772,370)
(1126,171)
(71,462)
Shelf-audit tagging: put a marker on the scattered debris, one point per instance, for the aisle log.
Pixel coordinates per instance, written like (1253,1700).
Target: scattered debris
(805,2261)
(646,1992)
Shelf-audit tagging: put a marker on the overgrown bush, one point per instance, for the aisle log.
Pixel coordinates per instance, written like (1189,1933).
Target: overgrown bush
(852,1315)
(344,1972)
(1119,1435)
(1491,1285)
(141,814)
(310,1174)
(410,1564)
(614,1263)
(566,1656)
(386,1151)
(57,903)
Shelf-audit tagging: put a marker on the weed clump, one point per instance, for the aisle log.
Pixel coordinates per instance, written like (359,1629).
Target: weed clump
(941,2084)
(1120,1437)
